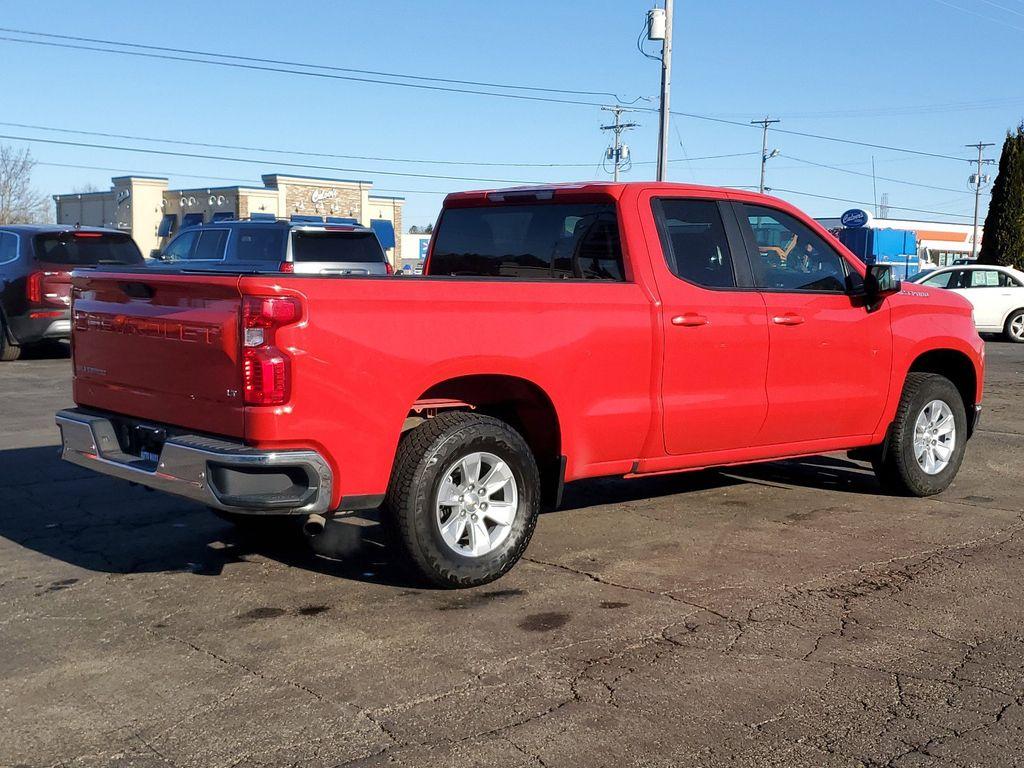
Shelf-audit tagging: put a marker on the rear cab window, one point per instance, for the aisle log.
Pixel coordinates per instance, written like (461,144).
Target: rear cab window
(341,246)
(530,241)
(86,249)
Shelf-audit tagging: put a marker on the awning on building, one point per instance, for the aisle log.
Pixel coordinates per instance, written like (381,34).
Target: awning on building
(385,231)
(191,219)
(342,220)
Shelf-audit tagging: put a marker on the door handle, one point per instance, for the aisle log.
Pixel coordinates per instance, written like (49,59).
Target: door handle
(689,320)
(787,319)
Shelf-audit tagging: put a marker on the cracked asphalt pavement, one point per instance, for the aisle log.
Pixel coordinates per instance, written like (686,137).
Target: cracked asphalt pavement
(779,615)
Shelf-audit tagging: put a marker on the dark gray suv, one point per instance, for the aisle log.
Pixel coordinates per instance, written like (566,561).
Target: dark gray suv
(278,246)
(35,278)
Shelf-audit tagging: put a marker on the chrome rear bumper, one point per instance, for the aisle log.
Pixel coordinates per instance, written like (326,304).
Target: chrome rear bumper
(219,473)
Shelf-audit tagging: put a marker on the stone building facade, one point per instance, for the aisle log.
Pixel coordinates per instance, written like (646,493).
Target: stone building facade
(153,214)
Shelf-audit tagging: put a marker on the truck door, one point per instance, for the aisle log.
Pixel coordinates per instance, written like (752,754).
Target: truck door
(830,361)
(714,325)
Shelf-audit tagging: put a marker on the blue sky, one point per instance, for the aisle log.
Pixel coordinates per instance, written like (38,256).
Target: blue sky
(931,75)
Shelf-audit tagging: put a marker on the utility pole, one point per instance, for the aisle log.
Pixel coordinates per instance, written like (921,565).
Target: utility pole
(618,153)
(659,27)
(765,157)
(977,179)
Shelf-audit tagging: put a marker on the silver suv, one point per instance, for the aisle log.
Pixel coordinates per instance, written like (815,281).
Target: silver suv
(278,246)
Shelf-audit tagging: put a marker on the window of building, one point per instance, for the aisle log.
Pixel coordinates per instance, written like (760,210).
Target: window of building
(191,220)
(168,224)
(210,245)
(260,244)
(791,256)
(554,240)
(694,241)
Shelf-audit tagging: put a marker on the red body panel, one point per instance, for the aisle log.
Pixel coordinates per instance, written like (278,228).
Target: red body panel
(632,391)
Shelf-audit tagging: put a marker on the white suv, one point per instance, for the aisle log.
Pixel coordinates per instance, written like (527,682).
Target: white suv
(997,294)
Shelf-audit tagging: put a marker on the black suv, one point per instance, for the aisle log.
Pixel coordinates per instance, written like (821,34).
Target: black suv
(35,278)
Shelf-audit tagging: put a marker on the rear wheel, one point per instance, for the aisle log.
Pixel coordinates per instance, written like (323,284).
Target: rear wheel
(464,498)
(8,351)
(927,440)
(1014,329)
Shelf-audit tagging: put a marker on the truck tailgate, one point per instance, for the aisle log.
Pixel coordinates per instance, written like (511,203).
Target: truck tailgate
(160,347)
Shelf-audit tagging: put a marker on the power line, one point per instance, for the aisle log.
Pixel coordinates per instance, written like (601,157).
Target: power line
(325,67)
(188,57)
(979,15)
(169,153)
(862,202)
(880,178)
(243,148)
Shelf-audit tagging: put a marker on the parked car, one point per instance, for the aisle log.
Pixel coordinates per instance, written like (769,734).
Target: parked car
(561,333)
(35,278)
(996,293)
(270,246)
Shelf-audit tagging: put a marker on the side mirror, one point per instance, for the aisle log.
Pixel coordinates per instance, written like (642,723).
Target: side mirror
(880,282)
(156,255)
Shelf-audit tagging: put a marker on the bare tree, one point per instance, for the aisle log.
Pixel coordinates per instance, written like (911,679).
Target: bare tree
(85,188)
(20,203)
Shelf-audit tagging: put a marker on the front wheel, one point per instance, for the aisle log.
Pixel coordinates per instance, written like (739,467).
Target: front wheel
(927,440)
(1014,330)
(464,497)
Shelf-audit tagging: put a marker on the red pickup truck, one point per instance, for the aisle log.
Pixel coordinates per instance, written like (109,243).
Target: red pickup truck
(559,333)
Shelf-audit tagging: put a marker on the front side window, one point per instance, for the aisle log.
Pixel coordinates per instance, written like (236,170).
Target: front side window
(210,245)
(791,257)
(694,241)
(553,240)
(180,247)
(943,279)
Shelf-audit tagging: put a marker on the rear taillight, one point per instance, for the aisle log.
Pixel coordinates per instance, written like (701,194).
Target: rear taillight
(266,370)
(41,291)
(287,266)
(389,268)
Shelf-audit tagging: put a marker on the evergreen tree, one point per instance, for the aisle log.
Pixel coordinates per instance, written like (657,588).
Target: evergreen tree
(1003,242)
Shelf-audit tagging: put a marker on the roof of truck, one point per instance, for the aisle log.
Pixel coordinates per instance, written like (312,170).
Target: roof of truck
(612,189)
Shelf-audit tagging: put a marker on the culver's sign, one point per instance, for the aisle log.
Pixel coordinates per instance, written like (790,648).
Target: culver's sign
(855,218)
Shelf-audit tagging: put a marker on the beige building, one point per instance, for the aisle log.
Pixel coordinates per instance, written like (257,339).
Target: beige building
(153,214)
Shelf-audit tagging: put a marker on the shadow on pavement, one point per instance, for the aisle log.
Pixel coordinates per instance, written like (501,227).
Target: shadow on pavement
(107,525)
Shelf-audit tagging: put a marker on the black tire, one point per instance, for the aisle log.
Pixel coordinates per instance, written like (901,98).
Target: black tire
(1015,317)
(423,457)
(895,464)
(8,352)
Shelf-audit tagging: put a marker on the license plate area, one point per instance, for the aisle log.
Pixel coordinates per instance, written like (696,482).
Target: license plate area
(144,441)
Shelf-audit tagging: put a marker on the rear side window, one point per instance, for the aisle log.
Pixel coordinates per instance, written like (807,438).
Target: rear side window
(557,240)
(86,248)
(260,244)
(350,247)
(694,241)
(8,247)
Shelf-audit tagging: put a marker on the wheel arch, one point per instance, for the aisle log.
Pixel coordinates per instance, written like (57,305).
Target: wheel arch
(518,402)
(955,366)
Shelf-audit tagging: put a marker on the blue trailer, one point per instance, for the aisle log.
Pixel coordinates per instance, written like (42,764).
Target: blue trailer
(883,246)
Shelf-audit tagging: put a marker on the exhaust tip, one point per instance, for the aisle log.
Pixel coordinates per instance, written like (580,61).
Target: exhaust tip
(314,525)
